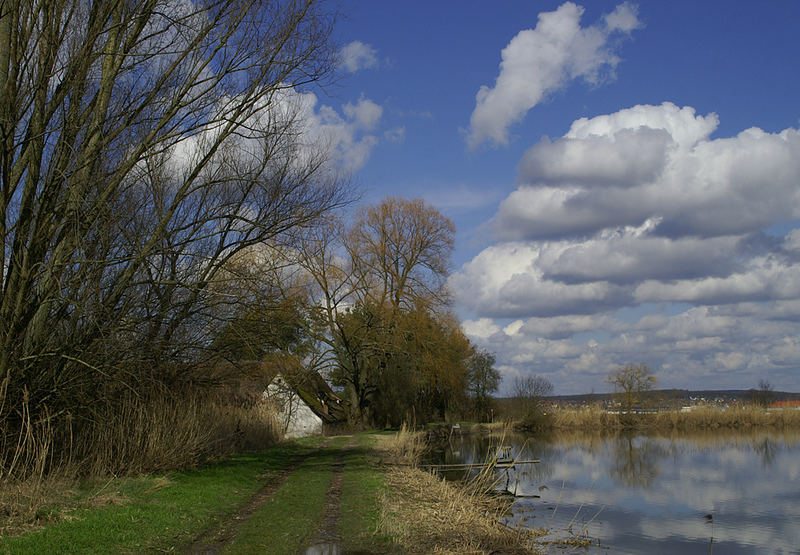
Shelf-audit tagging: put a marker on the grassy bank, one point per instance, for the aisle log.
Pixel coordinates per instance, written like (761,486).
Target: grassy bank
(277,501)
(287,522)
(422,513)
(214,505)
(53,462)
(155,512)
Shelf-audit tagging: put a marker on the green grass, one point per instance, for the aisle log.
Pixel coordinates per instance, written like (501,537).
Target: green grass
(286,522)
(154,513)
(362,485)
(166,512)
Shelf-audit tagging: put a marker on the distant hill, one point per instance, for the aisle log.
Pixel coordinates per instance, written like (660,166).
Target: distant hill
(675,397)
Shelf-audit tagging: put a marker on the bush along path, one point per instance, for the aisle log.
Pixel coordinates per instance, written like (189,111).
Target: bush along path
(287,499)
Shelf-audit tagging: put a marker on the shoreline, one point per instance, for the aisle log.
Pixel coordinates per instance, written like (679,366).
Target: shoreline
(595,419)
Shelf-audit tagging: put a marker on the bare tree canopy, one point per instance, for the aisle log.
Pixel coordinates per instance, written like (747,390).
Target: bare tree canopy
(144,144)
(762,396)
(529,392)
(630,382)
(401,249)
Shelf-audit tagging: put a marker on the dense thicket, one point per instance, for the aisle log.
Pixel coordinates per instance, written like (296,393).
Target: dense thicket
(144,145)
(165,215)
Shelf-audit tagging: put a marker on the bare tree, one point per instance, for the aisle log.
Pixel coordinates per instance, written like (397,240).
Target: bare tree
(144,144)
(401,251)
(390,263)
(629,383)
(529,392)
(762,396)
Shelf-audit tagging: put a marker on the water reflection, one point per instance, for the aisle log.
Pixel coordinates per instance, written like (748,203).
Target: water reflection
(635,460)
(767,449)
(730,493)
(324,549)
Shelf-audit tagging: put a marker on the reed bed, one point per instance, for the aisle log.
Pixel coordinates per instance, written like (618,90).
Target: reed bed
(590,418)
(423,513)
(406,447)
(737,417)
(42,460)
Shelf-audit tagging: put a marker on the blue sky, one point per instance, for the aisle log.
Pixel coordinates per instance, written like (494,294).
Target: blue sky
(624,178)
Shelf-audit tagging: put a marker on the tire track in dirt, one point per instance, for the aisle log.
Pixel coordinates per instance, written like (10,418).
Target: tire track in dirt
(326,537)
(214,539)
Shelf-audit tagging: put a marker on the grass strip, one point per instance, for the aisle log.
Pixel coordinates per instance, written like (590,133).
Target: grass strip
(157,513)
(359,511)
(291,515)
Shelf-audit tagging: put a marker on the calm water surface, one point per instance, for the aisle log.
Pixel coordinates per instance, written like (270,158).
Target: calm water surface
(685,494)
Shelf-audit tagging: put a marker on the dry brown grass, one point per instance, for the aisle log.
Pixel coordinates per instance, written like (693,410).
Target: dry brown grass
(737,417)
(163,433)
(41,462)
(592,417)
(422,513)
(24,504)
(138,434)
(406,447)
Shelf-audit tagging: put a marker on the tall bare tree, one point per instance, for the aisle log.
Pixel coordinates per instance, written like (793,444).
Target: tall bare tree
(144,143)
(529,393)
(401,250)
(374,277)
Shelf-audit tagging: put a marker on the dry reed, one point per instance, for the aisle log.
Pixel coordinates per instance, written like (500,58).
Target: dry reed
(422,513)
(162,433)
(406,447)
(735,417)
(40,460)
(595,418)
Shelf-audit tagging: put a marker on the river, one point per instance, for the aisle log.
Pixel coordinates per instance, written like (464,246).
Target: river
(724,493)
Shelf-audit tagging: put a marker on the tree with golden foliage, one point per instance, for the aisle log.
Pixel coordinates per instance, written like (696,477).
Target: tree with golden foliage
(404,366)
(393,344)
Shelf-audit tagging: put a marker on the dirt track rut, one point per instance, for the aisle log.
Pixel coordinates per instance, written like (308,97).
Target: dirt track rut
(214,540)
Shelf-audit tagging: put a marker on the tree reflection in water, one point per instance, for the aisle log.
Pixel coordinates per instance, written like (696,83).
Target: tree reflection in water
(635,460)
(660,493)
(767,449)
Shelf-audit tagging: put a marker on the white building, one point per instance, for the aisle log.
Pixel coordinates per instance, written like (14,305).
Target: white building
(305,409)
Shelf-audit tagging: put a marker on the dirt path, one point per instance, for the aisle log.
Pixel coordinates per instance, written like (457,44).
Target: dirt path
(327,535)
(214,540)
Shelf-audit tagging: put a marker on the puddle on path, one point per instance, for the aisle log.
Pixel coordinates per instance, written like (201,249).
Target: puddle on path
(324,549)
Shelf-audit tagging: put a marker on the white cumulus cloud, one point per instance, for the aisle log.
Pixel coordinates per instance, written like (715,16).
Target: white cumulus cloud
(358,55)
(542,60)
(654,161)
(640,236)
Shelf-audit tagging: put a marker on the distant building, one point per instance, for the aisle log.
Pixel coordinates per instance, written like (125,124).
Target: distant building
(306,404)
(785,405)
